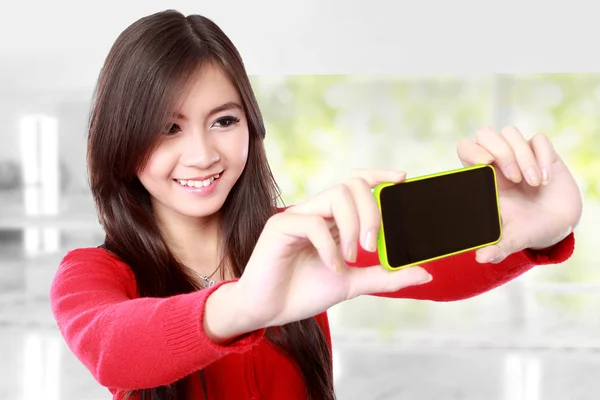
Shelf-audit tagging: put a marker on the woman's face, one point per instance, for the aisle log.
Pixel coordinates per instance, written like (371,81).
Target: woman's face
(196,164)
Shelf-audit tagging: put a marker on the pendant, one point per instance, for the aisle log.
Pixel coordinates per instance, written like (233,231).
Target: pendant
(208,282)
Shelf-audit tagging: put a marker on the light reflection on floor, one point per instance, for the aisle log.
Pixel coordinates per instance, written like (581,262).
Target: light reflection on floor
(41,363)
(36,364)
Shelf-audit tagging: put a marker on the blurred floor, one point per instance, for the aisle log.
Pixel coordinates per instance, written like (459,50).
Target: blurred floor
(508,344)
(468,374)
(36,364)
(492,360)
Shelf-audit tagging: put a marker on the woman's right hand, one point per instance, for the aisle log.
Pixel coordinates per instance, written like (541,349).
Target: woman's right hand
(298,268)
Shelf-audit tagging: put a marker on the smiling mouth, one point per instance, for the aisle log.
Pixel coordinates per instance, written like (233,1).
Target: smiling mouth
(197,184)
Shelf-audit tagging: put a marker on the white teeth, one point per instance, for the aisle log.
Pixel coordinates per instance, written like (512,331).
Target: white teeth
(197,184)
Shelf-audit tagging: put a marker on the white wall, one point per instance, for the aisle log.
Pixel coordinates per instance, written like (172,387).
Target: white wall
(62,43)
(51,52)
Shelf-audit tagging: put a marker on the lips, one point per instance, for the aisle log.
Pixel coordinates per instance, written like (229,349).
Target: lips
(198,182)
(201,178)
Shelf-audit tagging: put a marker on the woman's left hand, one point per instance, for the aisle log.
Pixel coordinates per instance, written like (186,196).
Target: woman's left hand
(540,202)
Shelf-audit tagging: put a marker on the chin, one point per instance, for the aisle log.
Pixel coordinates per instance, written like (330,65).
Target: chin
(200,210)
(201,214)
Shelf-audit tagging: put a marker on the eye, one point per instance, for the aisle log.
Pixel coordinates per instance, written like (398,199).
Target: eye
(226,122)
(173,129)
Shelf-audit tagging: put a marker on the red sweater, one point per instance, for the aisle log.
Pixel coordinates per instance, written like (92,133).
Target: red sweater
(128,342)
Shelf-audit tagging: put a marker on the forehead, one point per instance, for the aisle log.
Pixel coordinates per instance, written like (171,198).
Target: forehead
(208,88)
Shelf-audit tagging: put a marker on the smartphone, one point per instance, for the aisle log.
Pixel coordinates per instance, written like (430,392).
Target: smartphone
(435,216)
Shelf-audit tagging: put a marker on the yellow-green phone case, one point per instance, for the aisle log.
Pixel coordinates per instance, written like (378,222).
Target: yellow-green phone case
(381,246)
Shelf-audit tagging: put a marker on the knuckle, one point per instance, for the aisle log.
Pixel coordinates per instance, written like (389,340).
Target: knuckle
(290,210)
(464,142)
(525,153)
(275,226)
(353,180)
(514,245)
(356,172)
(315,222)
(358,181)
(360,173)
(275,219)
(540,137)
(511,131)
(390,285)
(463,145)
(509,128)
(482,133)
(343,192)
(375,224)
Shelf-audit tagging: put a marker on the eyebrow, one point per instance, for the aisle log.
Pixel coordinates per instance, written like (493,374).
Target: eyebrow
(231,105)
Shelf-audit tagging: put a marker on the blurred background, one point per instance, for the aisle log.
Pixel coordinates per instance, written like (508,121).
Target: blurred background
(535,338)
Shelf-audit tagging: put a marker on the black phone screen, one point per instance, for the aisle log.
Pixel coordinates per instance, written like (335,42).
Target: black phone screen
(441,215)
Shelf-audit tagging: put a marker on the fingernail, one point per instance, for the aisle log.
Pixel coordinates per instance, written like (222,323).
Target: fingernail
(339,267)
(484,161)
(495,260)
(426,279)
(511,171)
(370,242)
(335,265)
(532,176)
(545,178)
(352,252)
(400,175)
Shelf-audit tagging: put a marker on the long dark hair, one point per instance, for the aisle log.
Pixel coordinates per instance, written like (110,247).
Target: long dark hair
(142,78)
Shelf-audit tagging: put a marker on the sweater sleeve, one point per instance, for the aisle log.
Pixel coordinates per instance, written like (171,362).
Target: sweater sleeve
(461,276)
(127,342)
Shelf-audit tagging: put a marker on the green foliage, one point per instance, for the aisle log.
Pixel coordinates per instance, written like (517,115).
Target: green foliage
(303,116)
(294,109)
(572,102)
(317,125)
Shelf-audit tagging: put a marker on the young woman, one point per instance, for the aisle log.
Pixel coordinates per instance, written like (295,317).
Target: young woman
(204,288)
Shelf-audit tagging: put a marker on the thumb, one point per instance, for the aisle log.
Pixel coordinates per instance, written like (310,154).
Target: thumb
(512,241)
(377,279)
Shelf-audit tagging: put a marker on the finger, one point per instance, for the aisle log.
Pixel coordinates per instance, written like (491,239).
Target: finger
(369,215)
(502,152)
(376,279)
(345,214)
(374,177)
(313,228)
(524,155)
(545,155)
(349,221)
(470,153)
(338,204)
(321,205)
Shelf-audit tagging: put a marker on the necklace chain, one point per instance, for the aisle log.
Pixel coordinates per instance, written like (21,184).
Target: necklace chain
(208,282)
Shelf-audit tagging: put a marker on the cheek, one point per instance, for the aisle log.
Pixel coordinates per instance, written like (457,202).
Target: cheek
(236,148)
(159,166)
(245,148)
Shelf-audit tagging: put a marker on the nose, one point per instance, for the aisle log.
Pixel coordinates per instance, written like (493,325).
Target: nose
(199,151)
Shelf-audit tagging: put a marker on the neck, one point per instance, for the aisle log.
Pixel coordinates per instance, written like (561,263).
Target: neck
(193,241)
